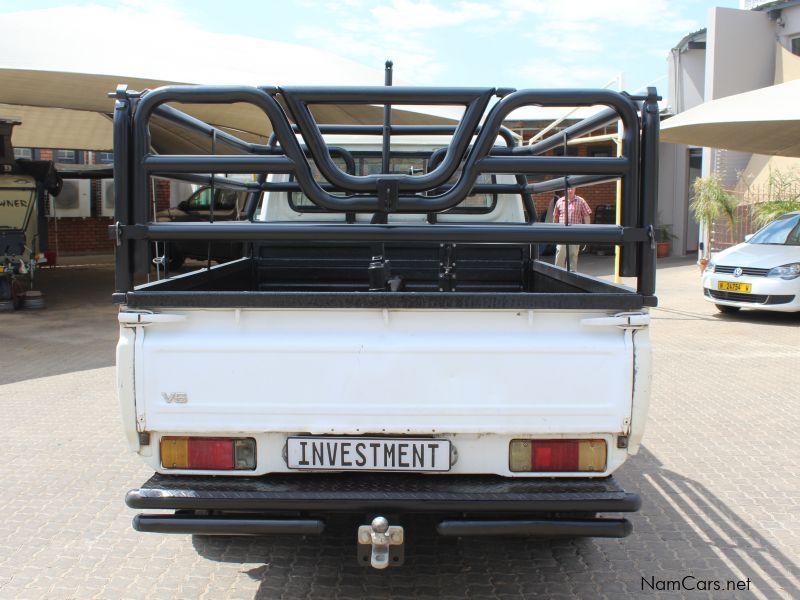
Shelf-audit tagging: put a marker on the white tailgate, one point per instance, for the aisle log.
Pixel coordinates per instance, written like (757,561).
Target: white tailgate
(374,371)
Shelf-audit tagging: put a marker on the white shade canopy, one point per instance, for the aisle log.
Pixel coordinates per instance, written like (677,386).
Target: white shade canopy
(39,98)
(762,121)
(58,128)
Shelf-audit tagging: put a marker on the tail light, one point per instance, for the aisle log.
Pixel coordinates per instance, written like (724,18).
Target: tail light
(551,456)
(209,454)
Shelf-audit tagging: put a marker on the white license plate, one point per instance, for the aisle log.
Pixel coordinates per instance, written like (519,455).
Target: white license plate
(368,454)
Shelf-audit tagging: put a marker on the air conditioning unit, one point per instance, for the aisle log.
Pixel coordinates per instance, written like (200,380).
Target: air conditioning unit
(73,201)
(107,197)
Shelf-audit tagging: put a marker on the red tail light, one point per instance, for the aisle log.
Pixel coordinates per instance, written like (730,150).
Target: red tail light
(554,455)
(558,455)
(210,453)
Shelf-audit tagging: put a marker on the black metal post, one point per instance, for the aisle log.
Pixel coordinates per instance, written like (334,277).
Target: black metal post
(122,118)
(387,121)
(649,192)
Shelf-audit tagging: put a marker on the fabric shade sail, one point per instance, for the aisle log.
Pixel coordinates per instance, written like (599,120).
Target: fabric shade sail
(71,110)
(762,121)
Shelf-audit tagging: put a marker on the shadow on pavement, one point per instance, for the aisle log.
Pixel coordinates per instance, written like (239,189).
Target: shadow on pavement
(762,317)
(77,330)
(682,534)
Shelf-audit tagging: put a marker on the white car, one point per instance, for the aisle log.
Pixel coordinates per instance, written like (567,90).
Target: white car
(763,272)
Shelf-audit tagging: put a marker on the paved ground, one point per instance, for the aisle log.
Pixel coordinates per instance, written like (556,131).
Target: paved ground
(718,475)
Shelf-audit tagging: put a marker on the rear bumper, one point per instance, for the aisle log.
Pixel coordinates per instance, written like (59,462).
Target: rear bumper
(473,505)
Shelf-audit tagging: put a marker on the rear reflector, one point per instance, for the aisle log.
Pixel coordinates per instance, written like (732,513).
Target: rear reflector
(564,456)
(209,454)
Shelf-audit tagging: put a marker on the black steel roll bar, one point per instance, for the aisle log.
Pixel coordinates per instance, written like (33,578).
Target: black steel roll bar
(384,191)
(471,148)
(363,232)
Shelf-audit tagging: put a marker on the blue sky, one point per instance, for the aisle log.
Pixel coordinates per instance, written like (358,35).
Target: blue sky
(515,43)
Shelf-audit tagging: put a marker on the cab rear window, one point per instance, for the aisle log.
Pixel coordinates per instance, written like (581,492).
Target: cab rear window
(408,165)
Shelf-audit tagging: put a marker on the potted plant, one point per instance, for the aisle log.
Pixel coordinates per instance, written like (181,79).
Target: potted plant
(711,201)
(664,237)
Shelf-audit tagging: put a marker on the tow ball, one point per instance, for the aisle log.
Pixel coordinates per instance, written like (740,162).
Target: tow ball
(381,544)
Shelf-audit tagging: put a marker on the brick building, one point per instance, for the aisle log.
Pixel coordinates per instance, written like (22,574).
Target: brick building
(603,194)
(88,233)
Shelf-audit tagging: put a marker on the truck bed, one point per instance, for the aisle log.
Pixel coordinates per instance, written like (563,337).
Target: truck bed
(336,276)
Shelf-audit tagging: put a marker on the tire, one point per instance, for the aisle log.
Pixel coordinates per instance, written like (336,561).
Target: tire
(6,297)
(17,294)
(727,310)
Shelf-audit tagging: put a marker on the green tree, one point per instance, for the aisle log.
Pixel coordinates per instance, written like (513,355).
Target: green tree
(710,202)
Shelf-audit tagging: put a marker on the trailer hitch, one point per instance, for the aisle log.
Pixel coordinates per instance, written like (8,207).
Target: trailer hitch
(380,544)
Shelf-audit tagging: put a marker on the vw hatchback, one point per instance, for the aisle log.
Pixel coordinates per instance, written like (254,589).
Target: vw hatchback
(763,272)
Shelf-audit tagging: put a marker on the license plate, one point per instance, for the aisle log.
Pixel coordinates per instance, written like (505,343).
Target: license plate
(368,454)
(733,286)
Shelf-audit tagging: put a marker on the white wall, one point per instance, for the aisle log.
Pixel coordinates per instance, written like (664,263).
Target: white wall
(686,89)
(687,70)
(740,56)
(791,25)
(672,192)
(179,191)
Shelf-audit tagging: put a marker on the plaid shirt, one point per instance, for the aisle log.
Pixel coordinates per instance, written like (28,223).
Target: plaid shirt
(578,209)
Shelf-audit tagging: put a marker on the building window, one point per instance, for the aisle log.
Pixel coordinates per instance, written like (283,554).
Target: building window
(601,150)
(66,156)
(795,42)
(571,151)
(23,153)
(105,158)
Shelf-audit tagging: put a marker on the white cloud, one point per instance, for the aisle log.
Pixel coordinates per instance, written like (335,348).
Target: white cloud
(411,15)
(654,14)
(561,72)
(573,33)
(170,47)
(568,46)
(400,30)
(567,41)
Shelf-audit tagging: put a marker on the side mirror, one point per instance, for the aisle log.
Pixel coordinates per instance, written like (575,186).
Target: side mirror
(184,206)
(747,237)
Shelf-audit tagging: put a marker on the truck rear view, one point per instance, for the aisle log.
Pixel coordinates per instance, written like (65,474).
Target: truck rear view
(390,343)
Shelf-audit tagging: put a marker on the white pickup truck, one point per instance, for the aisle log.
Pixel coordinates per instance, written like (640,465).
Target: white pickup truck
(391,344)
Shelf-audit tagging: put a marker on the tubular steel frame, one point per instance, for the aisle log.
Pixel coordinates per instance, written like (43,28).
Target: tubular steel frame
(385,193)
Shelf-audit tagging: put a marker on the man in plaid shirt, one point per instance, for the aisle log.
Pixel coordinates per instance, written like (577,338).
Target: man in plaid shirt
(579,212)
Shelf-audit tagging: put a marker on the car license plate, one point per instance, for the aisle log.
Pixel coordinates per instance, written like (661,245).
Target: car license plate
(368,454)
(733,286)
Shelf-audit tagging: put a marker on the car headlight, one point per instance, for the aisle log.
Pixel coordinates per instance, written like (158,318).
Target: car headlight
(790,271)
(710,267)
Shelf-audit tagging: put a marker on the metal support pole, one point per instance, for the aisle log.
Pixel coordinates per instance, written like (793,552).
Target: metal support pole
(566,206)
(649,193)
(387,120)
(122,117)
(617,211)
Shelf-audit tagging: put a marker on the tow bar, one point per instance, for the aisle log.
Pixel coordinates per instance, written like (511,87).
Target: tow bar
(380,544)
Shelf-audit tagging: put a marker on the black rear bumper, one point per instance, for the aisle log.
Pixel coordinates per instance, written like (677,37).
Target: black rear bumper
(474,505)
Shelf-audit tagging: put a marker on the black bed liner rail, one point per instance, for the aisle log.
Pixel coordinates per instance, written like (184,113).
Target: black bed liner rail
(471,148)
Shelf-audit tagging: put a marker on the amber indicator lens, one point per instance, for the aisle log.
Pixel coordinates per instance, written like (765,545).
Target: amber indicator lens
(551,456)
(209,454)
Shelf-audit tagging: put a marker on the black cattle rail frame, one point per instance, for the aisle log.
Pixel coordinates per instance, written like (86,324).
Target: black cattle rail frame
(386,193)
